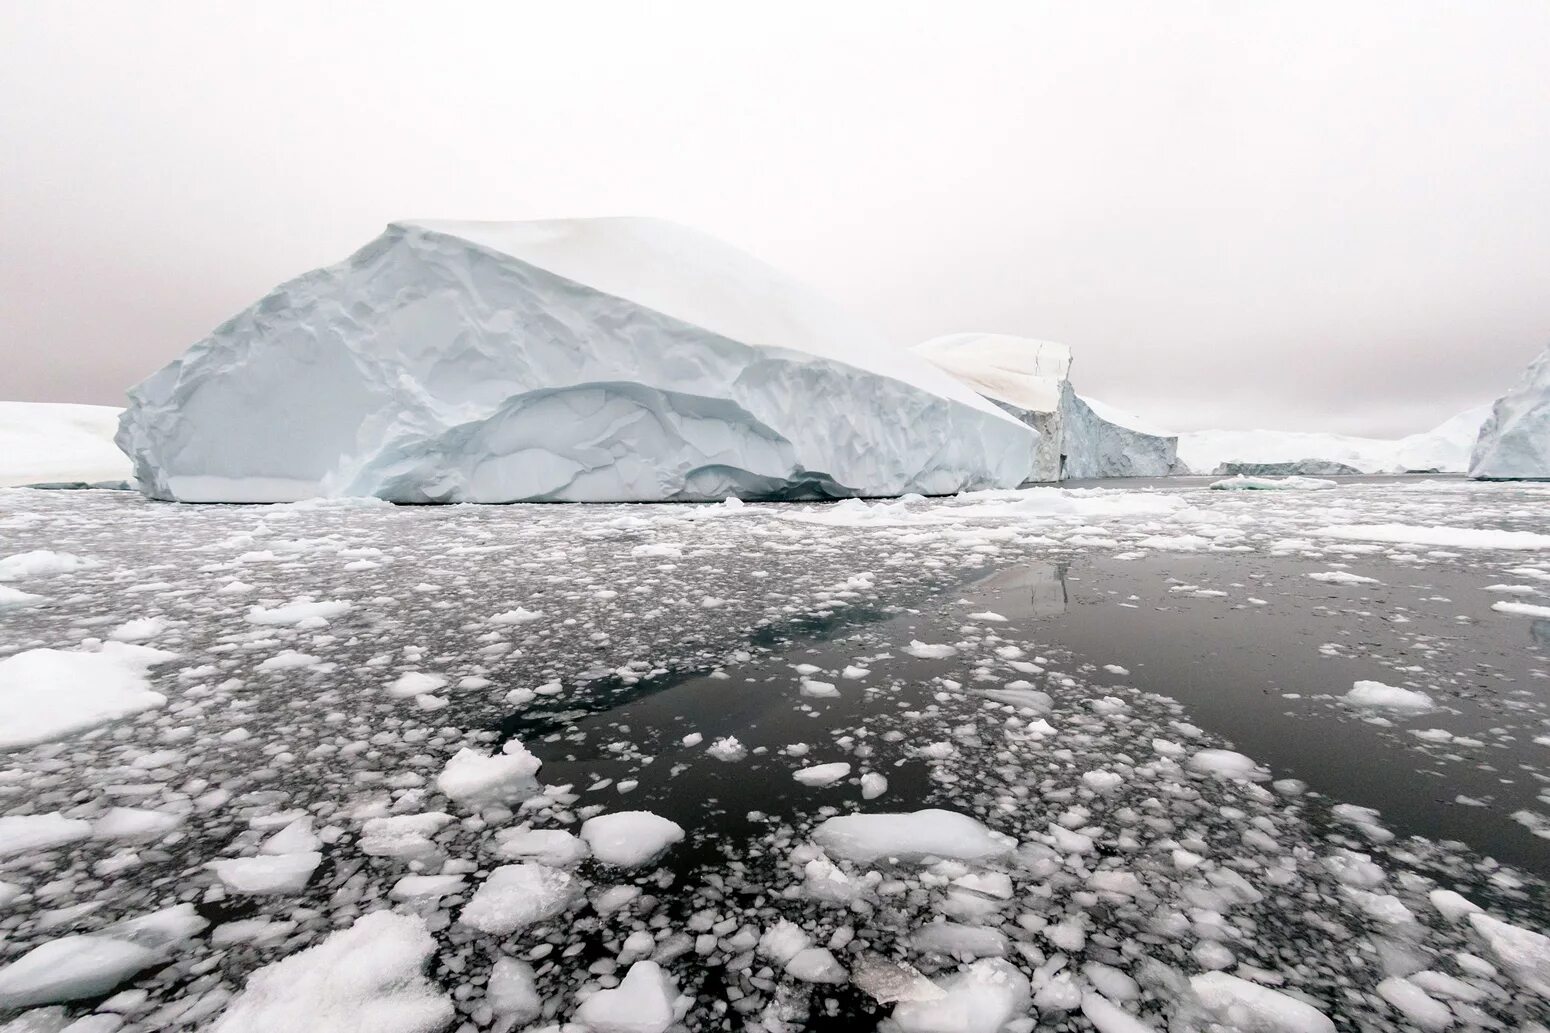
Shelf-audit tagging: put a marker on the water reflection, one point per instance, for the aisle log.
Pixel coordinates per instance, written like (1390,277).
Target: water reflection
(1041,582)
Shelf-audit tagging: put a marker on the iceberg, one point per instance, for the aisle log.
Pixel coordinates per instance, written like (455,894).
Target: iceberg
(590,360)
(1514,442)
(1443,449)
(60,444)
(1029,379)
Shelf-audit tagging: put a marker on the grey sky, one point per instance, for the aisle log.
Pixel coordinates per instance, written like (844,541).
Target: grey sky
(1303,215)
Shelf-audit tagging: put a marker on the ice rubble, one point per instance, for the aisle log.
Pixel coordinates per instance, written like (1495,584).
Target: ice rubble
(60,443)
(1443,449)
(1514,443)
(578,360)
(1078,437)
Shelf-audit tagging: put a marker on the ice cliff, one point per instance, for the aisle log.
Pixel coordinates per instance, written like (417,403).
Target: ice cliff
(1029,379)
(1514,442)
(568,360)
(1103,442)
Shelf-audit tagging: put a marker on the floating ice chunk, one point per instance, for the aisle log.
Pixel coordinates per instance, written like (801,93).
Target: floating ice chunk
(289,660)
(514,896)
(15,598)
(70,968)
(512,991)
(928,651)
(1414,1003)
(426,887)
(1243,482)
(629,839)
(140,630)
(299,612)
(296,837)
(1376,695)
(554,847)
(406,837)
(873,785)
(963,941)
(42,563)
(26,833)
(1227,764)
(474,779)
(816,965)
(133,823)
(1524,953)
(367,977)
(783,941)
(1452,905)
(517,616)
(415,683)
(267,873)
(981,999)
(643,1002)
(1344,577)
(889,981)
(819,689)
(911,837)
(1523,610)
(1102,781)
(822,774)
(1437,537)
(52,693)
(1251,1008)
(1108,1017)
(727,749)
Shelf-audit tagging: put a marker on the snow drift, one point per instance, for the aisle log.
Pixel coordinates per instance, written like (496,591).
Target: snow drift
(1443,449)
(569,360)
(59,443)
(1514,442)
(1030,380)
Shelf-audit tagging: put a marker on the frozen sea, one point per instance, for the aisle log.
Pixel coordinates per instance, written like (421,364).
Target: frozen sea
(1121,757)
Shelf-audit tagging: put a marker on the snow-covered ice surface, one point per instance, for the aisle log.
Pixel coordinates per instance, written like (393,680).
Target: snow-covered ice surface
(1514,443)
(578,360)
(1105,765)
(60,443)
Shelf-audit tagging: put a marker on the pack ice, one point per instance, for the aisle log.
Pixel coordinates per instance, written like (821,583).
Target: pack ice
(569,360)
(1514,443)
(1029,379)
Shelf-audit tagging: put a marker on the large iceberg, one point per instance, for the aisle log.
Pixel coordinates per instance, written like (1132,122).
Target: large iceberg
(1514,443)
(1443,449)
(1078,437)
(569,360)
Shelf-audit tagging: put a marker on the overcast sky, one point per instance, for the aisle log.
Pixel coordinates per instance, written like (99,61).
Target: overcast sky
(1289,215)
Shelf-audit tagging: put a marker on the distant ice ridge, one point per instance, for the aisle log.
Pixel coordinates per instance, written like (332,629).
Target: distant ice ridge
(1443,449)
(1514,443)
(1078,437)
(570,360)
(56,442)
